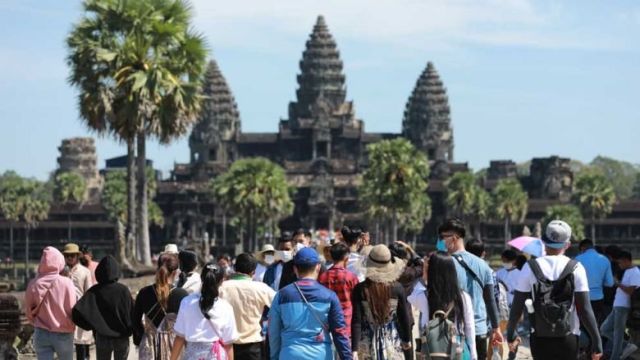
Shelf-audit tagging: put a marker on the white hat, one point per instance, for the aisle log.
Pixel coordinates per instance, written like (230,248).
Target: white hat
(170,249)
(265,249)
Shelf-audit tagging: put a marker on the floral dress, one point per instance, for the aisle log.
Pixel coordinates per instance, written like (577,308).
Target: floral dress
(380,341)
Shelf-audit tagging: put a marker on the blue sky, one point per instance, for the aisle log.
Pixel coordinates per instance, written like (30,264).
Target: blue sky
(525,78)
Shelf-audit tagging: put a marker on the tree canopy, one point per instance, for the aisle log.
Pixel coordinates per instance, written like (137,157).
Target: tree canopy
(569,214)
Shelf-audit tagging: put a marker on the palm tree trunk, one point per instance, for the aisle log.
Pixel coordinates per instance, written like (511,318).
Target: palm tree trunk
(593,229)
(69,226)
(224,229)
(11,250)
(394,225)
(26,255)
(131,197)
(507,229)
(143,216)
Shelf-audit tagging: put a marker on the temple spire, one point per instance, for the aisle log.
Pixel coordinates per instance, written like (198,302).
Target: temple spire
(320,73)
(219,118)
(427,117)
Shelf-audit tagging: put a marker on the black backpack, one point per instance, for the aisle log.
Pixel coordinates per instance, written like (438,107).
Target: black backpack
(633,321)
(552,301)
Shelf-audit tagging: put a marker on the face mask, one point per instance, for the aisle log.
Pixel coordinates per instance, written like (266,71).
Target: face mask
(440,245)
(299,246)
(268,259)
(285,256)
(508,266)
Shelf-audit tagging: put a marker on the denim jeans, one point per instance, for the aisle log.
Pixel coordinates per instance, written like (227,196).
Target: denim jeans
(105,346)
(46,343)
(613,329)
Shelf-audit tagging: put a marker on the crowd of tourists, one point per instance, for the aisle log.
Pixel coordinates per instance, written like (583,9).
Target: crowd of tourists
(344,299)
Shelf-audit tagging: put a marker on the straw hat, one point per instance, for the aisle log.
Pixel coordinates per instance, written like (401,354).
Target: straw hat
(71,248)
(171,249)
(265,249)
(381,266)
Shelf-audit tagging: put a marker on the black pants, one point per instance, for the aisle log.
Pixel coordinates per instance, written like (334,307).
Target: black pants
(252,351)
(599,310)
(554,348)
(82,352)
(106,346)
(481,346)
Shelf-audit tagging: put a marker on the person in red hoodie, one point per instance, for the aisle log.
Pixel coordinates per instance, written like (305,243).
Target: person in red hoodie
(48,303)
(340,280)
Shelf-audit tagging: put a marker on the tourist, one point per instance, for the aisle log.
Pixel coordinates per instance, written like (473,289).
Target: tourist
(301,239)
(82,279)
(86,259)
(48,302)
(206,323)
(106,310)
(475,277)
(276,271)
(248,299)
(265,258)
(614,326)
(508,273)
(599,275)
(226,264)
(570,300)
(354,238)
(381,325)
(476,247)
(341,280)
(188,279)
(521,260)
(413,271)
(155,311)
(305,316)
(169,249)
(442,291)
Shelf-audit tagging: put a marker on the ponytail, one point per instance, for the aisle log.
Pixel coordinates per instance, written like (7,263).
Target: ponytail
(168,266)
(211,277)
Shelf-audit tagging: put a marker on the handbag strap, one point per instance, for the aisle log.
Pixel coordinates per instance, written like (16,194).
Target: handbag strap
(36,310)
(313,312)
(468,269)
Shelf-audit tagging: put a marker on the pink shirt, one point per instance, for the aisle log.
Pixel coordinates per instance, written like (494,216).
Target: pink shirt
(50,297)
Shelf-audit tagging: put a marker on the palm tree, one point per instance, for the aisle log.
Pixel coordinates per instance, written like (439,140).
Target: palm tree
(481,209)
(33,203)
(10,185)
(138,66)
(595,197)
(460,194)
(395,182)
(569,214)
(69,190)
(510,203)
(254,190)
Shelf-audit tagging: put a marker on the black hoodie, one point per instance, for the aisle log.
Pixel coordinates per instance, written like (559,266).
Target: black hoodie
(106,308)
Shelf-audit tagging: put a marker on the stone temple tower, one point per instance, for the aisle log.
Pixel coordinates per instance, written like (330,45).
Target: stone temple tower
(213,139)
(427,117)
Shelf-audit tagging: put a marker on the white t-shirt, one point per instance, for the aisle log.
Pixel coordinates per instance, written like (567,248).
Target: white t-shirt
(552,266)
(631,277)
(260,271)
(355,264)
(418,300)
(194,327)
(509,278)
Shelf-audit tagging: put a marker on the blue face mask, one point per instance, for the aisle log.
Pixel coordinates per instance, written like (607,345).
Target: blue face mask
(440,245)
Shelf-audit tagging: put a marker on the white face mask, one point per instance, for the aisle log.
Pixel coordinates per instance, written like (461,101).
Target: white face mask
(268,259)
(285,255)
(508,266)
(299,246)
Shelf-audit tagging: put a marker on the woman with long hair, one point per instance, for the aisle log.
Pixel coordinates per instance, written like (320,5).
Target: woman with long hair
(381,324)
(155,312)
(206,323)
(444,294)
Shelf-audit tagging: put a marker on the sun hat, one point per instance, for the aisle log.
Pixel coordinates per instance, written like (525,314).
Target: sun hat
(71,248)
(265,249)
(557,234)
(306,257)
(171,249)
(381,266)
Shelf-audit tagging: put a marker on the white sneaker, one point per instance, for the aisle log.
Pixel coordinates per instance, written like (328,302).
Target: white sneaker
(628,350)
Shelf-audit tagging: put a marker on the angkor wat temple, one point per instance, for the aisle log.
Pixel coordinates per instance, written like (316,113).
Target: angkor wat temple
(322,146)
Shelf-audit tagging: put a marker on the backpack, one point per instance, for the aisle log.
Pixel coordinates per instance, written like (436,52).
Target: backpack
(502,300)
(441,339)
(552,301)
(633,320)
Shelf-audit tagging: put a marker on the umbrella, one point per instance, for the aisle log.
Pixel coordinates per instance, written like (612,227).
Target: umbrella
(528,244)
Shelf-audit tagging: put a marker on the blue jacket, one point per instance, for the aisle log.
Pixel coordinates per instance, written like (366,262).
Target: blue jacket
(295,333)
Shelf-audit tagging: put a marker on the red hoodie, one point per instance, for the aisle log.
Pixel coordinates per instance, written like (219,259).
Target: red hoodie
(50,297)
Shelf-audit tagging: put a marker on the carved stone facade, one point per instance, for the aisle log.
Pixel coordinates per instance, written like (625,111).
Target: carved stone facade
(79,155)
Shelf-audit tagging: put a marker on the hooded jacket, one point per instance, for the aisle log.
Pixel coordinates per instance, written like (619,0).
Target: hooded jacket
(106,308)
(50,297)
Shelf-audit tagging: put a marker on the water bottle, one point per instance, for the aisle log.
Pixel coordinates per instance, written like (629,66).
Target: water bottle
(496,353)
(529,305)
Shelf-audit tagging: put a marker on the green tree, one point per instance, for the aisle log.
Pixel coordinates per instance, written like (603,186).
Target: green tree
(461,191)
(10,185)
(620,174)
(33,202)
(636,187)
(595,197)
(510,203)
(395,182)
(255,192)
(481,211)
(69,191)
(569,214)
(138,65)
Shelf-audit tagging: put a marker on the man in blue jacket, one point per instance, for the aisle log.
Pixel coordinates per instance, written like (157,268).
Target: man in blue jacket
(305,316)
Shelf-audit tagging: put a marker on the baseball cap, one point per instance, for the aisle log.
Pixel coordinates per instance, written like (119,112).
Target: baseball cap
(557,234)
(306,256)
